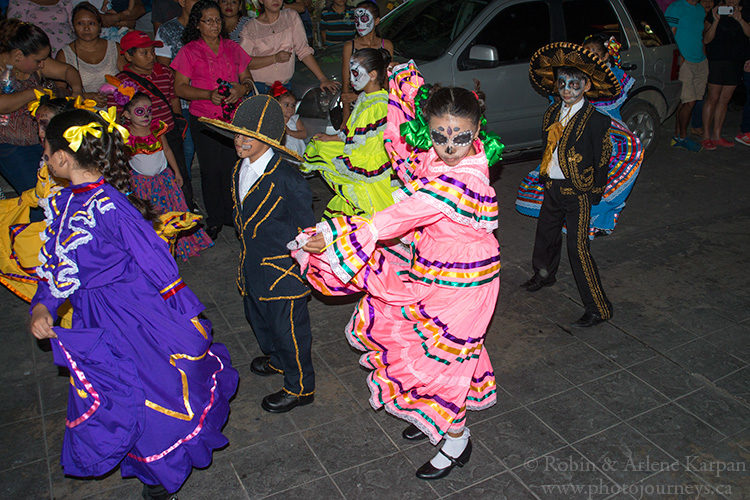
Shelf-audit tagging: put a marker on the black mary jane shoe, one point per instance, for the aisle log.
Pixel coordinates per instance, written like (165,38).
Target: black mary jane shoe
(537,283)
(412,433)
(429,472)
(588,320)
(262,366)
(213,232)
(282,401)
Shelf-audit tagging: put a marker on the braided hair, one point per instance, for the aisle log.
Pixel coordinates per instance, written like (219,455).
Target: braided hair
(106,154)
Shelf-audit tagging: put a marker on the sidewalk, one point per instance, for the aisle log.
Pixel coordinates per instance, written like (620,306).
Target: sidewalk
(652,404)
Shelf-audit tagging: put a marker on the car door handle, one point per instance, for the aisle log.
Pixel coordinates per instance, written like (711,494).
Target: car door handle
(629,67)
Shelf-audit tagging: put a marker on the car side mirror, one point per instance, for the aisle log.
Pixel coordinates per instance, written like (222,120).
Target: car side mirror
(484,53)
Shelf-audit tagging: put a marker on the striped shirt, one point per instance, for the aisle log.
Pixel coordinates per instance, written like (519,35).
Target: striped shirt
(163,79)
(338,27)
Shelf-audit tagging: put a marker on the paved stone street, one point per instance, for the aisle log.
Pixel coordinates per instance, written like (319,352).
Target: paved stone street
(653,404)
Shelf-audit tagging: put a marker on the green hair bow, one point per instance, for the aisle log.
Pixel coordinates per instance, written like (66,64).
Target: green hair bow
(416,132)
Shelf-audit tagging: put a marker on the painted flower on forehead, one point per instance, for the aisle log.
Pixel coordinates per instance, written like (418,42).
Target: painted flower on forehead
(364,23)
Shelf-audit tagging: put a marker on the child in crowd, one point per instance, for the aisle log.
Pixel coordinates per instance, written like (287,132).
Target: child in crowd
(336,23)
(427,303)
(272,202)
(627,152)
(366,18)
(149,391)
(156,176)
(354,162)
(295,129)
(574,168)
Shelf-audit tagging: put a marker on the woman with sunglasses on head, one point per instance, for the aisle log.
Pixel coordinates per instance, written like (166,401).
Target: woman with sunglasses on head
(206,57)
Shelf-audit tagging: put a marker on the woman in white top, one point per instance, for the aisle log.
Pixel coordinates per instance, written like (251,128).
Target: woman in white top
(272,40)
(90,54)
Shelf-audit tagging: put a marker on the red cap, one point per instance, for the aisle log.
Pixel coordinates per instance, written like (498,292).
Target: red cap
(135,39)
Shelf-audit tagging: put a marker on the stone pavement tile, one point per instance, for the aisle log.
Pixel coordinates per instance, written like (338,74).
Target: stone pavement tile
(737,384)
(703,359)
(385,478)
(219,325)
(235,346)
(564,473)
(662,335)
(349,442)
(722,465)
(20,400)
(505,403)
(699,320)
(354,381)
(666,376)
(320,489)
(277,464)
(676,431)
(733,340)
(532,381)
(229,302)
(579,363)
(44,365)
(72,487)
(337,354)
(219,479)
(517,436)
(504,486)
(54,391)
(332,402)
(21,442)
(616,345)
(573,414)
(54,430)
(623,454)
(674,482)
(720,410)
(518,344)
(28,481)
(329,320)
(623,394)
(481,465)
(248,423)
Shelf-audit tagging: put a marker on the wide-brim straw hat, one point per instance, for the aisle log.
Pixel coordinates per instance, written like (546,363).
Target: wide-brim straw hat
(604,83)
(261,118)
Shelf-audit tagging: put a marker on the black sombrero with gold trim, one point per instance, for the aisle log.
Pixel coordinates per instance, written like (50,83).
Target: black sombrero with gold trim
(604,84)
(259,117)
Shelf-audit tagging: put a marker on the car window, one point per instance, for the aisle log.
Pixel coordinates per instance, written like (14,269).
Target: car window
(587,17)
(516,32)
(649,22)
(425,29)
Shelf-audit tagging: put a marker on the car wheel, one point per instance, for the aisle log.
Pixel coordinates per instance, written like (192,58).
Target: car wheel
(643,120)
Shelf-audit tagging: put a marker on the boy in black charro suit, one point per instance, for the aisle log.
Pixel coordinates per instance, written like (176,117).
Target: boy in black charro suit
(573,168)
(272,204)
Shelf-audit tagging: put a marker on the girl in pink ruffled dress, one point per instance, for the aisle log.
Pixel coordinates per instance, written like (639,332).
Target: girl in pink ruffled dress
(429,266)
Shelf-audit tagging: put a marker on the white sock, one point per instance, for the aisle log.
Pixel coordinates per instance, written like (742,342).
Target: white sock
(453,447)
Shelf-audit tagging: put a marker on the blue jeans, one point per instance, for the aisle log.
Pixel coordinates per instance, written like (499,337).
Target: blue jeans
(18,164)
(745,126)
(188,146)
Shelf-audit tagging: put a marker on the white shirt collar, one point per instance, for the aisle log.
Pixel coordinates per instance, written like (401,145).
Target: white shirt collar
(259,166)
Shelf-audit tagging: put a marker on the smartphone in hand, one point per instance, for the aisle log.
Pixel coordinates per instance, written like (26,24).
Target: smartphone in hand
(725,10)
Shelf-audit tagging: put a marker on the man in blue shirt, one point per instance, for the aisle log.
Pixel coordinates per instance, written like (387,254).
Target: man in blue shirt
(686,18)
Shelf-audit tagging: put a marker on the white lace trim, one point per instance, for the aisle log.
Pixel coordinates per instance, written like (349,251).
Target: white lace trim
(69,273)
(449,212)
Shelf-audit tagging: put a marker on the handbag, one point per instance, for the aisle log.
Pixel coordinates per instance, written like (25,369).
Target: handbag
(180,122)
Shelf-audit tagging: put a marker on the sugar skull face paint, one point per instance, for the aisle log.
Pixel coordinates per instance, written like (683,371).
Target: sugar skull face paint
(358,75)
(452,137)
(571,89)
(363,21)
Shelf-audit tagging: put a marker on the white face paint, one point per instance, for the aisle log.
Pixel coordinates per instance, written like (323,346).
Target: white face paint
(358,75)
(363,21)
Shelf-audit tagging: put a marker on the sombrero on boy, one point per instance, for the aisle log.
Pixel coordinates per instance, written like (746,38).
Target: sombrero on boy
(604,84)
(261,118)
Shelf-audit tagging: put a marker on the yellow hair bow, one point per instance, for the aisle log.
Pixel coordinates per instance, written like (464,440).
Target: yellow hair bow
(34,105)
(74,135)
(110,116)
(81,103)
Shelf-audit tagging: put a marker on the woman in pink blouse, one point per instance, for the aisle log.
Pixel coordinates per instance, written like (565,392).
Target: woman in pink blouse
(206,57)
(272,40)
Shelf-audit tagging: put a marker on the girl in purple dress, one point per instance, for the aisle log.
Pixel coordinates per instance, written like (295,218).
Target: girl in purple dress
(149,390)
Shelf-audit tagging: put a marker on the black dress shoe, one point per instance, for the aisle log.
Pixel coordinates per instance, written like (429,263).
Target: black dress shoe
(213,232)
(588,319)
(428,471)
(262,366)
(536,283)
(282,401)
(412,433)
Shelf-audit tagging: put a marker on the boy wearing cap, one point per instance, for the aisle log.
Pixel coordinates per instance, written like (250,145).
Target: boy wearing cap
(272,204)
(157,81)
(573,168)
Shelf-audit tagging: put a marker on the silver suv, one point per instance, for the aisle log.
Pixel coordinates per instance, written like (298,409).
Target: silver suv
(454,42)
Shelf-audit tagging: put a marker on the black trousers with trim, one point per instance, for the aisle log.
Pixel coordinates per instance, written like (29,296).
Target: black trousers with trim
(573,210)
(216,158)
(282,328)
